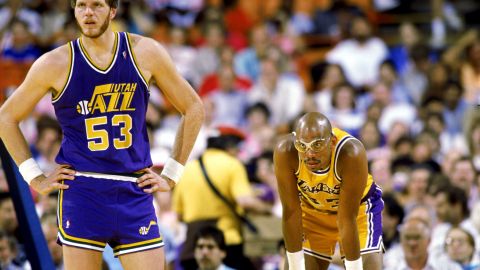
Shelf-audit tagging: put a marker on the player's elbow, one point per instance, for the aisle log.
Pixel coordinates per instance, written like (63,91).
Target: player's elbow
(6,121)
(196,110)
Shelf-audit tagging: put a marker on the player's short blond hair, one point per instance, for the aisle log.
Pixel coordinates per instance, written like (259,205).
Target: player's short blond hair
(110,3)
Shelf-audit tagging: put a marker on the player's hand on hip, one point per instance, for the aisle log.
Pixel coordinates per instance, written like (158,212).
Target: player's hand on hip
(153,182)
(45,185)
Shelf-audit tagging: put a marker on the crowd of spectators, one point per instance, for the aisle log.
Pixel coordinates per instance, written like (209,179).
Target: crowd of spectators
(401,76)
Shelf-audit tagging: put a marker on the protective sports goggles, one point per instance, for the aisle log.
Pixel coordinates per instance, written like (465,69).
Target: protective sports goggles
(316,145)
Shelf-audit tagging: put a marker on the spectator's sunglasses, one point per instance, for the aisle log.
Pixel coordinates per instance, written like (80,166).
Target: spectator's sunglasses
(316,145)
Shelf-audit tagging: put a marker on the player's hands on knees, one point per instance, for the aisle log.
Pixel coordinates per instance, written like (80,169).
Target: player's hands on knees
(156,182)
(45,185)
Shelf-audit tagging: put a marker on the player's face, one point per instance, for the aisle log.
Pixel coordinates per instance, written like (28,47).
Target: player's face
(314,150)
(93,17)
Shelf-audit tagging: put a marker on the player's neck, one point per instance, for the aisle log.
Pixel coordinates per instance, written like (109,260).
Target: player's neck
(102,44)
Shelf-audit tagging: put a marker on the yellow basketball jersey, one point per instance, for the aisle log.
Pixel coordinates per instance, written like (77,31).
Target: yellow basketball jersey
(320,190)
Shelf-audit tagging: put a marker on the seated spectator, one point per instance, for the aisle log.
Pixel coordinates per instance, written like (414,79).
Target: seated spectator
(284,95)
(229,103)
(259,132)
(211,82)
(361,55)
(392,217)
(460,247)
(50,230)
(415,236)
(344,113)
(22,47)
(210,249)
(332,77)
(8,254)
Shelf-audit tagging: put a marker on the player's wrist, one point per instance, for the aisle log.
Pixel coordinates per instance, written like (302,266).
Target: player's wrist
(354,265)
(296,260)
(30,170)
(173,170)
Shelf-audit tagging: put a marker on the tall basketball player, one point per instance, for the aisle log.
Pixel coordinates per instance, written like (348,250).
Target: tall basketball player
(99,85)
(326,190)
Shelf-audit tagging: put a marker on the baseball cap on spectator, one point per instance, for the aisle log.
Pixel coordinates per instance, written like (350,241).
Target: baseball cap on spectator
(225,137)
(224,130)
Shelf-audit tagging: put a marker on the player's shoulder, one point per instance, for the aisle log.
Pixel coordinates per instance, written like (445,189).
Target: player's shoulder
(142,43)
(56,58)
(285,144)
(352,148)
(54,63)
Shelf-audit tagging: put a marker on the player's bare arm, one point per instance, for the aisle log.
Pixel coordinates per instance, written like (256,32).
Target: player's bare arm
(156,65)
(353,170)
(48,74)
(286,163)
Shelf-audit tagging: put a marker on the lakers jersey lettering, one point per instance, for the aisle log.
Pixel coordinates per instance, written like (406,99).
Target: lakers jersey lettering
(321,190)
(102,112)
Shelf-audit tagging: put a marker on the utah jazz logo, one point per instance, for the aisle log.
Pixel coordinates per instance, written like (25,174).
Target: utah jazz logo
(113,97)
(144,230)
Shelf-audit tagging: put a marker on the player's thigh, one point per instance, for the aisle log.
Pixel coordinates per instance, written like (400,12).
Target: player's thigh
(372,261)
(78,258)
(152,259)
(313,263)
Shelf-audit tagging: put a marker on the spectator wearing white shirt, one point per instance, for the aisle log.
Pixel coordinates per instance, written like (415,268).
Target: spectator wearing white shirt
(361,55)
(284,94)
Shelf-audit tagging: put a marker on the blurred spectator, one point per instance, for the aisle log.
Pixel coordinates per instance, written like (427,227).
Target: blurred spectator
(229,104)
(20,46)
(259,133)
(16,9)
(455,107)
(448,141)
(8,251)
(47,204)
(284,95)
(211,81)
(390,77)
(344,113)
(473,140)
(48,134)
(415,236)
(207,59)
(469,66)
(240,21)
(54,18)
(247,61)
(416,192)
(50,231)
(372,139)
(9,225)
(415,77)
(332,77)
(210,249)
(392,111)
(460,247)
(452,210)
(425,146)
(361,55)
(400,53)
(183,55)
(381,172)
(464,175)
(392,217)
